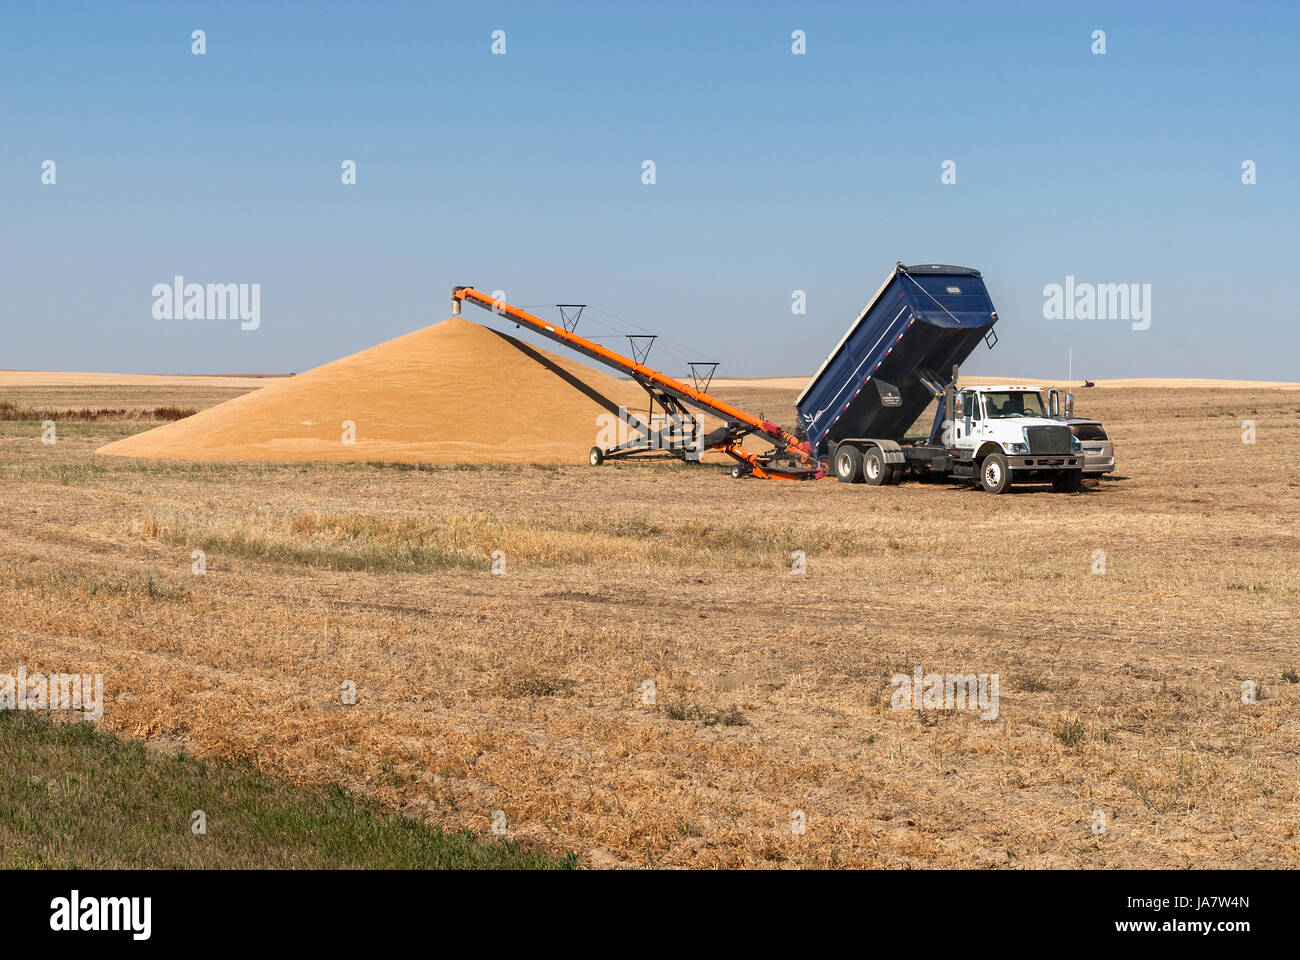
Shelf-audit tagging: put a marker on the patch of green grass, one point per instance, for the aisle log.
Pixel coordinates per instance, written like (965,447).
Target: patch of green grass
(1070,732)
(91,582)
(1031,683)
(63,474)
(347,542)
(730,717)
(73,797)
(535,685)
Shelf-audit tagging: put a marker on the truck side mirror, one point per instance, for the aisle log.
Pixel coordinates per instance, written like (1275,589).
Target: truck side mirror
(1069,404)
(1053,404)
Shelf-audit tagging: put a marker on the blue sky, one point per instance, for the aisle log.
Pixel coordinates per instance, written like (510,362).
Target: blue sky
(522,172)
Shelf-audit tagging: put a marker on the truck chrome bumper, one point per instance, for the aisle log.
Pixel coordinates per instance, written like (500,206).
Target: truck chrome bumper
(1044,463)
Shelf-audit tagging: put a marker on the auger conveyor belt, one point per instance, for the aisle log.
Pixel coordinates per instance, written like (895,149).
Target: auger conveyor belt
(790,458)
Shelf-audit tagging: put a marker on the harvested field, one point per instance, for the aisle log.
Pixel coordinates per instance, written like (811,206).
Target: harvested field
(1121,691)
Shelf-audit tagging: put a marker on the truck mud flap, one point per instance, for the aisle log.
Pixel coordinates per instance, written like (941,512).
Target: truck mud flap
(890,451)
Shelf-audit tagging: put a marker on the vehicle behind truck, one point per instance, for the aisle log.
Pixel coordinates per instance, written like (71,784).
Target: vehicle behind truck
(1098,446)
(901,354)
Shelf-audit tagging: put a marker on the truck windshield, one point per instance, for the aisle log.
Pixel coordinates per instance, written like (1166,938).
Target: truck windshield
(1003,404)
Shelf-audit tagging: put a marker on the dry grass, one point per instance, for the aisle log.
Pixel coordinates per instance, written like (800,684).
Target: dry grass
(460,541)
(10,411)
(1120,691)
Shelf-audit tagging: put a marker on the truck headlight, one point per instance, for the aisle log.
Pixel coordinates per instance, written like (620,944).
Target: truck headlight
(1016,447)
(1075,445)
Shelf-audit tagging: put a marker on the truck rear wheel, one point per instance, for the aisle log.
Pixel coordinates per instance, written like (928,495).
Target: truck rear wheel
(1071,481)
(848,464)
(995,475)
(874,469)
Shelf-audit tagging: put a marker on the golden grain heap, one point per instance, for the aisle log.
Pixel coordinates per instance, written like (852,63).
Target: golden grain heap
(455,392)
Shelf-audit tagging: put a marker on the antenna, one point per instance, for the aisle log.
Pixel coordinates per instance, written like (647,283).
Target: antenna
(702,375)
(641,344)
(569,314)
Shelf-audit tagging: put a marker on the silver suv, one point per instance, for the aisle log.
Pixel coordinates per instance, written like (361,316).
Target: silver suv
(1098,447)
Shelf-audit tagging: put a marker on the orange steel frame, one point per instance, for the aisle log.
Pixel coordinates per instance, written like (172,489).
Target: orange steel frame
(760,464)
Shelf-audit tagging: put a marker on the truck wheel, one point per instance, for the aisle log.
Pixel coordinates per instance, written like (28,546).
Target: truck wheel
(1069,482)
(848,464)
(995,475)
(596,457)
(874,469)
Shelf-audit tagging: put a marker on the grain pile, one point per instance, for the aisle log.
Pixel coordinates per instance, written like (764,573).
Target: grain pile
(455,392)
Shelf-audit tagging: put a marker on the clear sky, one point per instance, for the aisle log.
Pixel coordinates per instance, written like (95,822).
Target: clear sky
(775,172)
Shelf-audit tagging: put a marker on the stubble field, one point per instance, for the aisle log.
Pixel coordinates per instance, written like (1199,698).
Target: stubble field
(1120,691)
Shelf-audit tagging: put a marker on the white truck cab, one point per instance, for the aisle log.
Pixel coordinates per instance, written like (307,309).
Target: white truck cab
(1006,433)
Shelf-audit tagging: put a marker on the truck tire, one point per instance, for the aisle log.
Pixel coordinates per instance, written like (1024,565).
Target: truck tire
(596,456)
(1070,481)
(874,469)
(995,475)
(848,464)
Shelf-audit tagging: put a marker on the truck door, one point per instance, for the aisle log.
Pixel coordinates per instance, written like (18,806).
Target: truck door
(968,422)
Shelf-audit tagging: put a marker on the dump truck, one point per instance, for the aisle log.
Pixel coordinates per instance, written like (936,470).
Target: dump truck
(902,353)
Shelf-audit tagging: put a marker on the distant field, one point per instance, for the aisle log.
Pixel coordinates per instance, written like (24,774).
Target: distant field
(136,392)
(1121,691)
(797,384)
(55,378)
(1145,383)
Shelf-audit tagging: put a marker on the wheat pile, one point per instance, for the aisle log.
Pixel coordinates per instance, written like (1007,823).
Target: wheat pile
(455,392)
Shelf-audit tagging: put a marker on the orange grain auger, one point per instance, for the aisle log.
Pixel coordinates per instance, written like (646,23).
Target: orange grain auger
(789,459)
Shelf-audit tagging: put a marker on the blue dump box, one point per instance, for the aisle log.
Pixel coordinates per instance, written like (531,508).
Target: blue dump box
(897,356)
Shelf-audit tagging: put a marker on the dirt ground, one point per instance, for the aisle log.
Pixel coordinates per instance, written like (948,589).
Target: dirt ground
(1122,623)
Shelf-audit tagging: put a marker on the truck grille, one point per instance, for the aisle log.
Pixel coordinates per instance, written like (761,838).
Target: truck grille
(1048,440)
